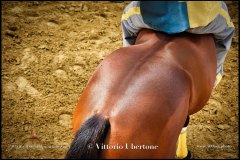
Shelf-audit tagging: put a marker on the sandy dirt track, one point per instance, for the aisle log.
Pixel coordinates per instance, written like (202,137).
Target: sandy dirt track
(49,51)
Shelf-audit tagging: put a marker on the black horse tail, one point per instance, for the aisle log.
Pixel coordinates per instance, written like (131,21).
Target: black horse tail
(92,132)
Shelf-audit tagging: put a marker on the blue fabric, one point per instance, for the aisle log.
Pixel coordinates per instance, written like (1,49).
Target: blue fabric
(167,16)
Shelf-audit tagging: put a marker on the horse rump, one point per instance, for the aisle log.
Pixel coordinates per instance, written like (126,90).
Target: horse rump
(92,132)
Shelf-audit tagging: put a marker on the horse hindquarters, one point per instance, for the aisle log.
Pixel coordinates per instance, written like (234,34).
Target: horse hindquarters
(156,120)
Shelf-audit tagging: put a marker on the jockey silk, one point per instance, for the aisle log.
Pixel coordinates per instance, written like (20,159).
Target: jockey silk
(171,17)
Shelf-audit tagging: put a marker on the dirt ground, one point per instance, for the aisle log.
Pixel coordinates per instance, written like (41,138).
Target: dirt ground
(49,51)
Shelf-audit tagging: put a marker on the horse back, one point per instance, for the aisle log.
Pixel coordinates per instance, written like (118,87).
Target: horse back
(149,88)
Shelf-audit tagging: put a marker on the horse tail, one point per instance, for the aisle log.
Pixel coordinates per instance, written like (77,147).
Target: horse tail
(92,132)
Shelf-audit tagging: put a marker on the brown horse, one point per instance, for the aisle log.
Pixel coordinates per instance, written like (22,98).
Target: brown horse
(137,100)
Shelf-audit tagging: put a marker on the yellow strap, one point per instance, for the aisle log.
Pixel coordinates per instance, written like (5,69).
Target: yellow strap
(182,150)
(130,12)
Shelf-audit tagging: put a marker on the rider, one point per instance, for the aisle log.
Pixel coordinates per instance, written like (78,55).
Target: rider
(202,17)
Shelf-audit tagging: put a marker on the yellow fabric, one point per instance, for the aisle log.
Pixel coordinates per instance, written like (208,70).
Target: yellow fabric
(218,79)
(201,13)
(130,12)
(182,150)
(227,17)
